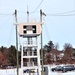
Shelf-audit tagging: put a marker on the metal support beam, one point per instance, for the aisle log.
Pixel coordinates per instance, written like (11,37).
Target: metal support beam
(41,13)
(17,42)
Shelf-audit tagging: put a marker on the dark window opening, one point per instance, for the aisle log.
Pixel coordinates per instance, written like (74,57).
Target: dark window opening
(24,27)
(24,32)
(34,29)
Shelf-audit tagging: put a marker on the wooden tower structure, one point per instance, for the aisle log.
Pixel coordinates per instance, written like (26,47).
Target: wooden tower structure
(30,53)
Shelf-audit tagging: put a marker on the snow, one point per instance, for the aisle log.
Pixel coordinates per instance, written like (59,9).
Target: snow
(67,73)
(14,72)
(8,72)
(60,73)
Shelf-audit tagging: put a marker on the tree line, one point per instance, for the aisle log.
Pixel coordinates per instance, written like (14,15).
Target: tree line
(8,56)
(51,54)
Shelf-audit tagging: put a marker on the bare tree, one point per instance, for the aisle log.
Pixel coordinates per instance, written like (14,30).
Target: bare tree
(56,46)
(67,46)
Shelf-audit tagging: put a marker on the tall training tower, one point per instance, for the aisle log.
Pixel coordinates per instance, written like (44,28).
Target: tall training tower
(30,53)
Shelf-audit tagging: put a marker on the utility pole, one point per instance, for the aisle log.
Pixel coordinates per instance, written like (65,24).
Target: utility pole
(41,13)
(27,15)
(16,41)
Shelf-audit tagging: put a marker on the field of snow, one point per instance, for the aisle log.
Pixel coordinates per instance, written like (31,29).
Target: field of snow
(8,72)
(60,73)
(14,72)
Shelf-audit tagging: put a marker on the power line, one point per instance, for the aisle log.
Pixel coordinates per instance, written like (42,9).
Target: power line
(6,14)
(60,15)
(47,32)
(63,13)
(38,6)
(10,34)
(22,12)
(4,23)
(60,30)
(48,14)
(66,12)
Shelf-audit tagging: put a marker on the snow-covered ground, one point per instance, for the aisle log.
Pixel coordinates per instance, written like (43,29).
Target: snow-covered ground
(14,72)
(8,72)
(60,73)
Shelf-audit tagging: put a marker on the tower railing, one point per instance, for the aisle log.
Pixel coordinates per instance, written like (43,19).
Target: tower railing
(30,53)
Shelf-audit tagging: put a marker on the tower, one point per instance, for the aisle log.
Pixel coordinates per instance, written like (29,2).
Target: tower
(30,53)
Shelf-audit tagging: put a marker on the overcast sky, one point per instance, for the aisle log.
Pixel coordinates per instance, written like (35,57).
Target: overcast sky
(59,22)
